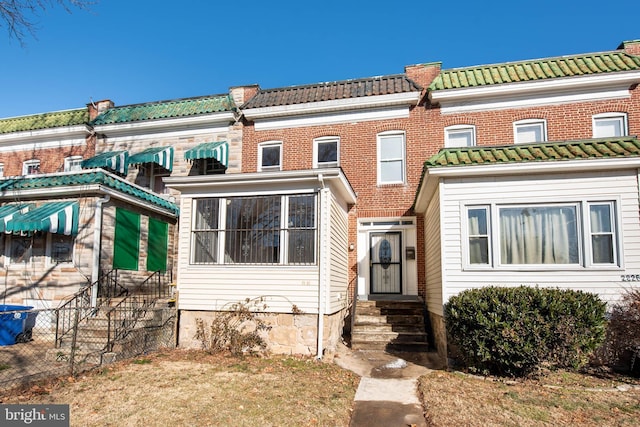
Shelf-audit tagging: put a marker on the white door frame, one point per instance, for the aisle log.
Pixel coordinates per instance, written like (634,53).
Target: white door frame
(406,225)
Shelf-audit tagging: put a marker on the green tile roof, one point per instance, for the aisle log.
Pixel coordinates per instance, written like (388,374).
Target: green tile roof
(166,109)
(537,152)
(537,69)
(84,178)
(44,121)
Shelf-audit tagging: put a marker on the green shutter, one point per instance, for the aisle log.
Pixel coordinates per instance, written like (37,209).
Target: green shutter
(157,244)
(126,244)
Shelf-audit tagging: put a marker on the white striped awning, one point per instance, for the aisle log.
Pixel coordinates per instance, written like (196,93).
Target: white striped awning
(210,150)
(162,156)
(53,217)
(114,160)
(7,212)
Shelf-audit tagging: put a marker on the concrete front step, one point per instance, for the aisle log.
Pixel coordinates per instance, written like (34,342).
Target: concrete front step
(390,325)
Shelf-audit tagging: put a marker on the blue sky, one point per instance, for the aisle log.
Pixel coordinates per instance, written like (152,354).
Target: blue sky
(134,51)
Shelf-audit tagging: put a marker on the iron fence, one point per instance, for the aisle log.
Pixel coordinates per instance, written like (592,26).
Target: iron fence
(31,348)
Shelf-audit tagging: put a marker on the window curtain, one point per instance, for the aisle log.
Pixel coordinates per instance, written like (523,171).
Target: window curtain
(539,235)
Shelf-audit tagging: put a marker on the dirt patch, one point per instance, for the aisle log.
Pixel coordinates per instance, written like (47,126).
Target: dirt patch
(182,387)
(555,399)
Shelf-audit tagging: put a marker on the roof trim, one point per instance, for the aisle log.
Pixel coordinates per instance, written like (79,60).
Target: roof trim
(170,124)
(406,98)
(591,82)
(256,182)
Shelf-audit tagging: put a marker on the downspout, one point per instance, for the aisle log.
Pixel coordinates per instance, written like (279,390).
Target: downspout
(321,275)
(97,237)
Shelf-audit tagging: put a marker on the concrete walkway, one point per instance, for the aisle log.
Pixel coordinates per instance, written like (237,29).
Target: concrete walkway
(387,394)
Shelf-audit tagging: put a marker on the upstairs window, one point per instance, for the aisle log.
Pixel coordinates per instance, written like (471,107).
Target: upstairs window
(391,158)
(73,163)
(460,136)
(1,170)
(326,152)
(31,167)
(270,156)
(527,131)
(609,125)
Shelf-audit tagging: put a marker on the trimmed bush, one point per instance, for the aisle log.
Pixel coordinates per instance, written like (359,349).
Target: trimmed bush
(515,331)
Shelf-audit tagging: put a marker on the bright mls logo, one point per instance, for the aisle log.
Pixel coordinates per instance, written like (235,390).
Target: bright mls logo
(34,415)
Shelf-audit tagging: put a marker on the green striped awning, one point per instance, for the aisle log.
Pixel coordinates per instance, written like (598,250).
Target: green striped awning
(7,212)
(114,160)
(210,150)
(53,217)
(162,156)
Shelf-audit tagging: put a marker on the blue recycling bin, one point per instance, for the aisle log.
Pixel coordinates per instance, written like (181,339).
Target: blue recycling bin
(16,323)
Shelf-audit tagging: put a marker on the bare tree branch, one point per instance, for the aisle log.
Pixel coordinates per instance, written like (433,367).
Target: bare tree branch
(17,15)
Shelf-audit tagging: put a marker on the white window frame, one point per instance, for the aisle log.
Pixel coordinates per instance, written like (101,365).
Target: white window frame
(72,163)
(459,129)
(1,170)
(324,140)
(284,235)
(28,164)
(542,123)
(620,117)
(403,159)
(264,145)
(584,236)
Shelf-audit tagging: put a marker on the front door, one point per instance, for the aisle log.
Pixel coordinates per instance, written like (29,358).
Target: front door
(386,263)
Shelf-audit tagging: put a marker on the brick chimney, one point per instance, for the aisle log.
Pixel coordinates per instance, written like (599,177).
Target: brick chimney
(631,46)
(97,108)
(242,94)
(423,74)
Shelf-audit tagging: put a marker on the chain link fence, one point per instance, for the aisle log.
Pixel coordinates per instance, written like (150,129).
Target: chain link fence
(33,346)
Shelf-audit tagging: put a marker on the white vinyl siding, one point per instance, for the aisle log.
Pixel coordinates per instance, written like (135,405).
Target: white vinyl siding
(609,125)
(619,186)
(433,237)
(339,258)
(217,286)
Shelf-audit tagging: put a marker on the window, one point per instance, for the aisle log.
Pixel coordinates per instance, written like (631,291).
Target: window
(460,136)
(270,156)
(30,167)
(609,124)
(275,229)
(391,158)
(326,152)
(61,248)
(210,167)
(478,227)
(1,170)
(526,131)
(73,163)
(26,248)
(567,234)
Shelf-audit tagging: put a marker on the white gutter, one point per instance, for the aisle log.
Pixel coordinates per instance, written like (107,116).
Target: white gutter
(321,274)
(97,233)
(407,98)
(519,88)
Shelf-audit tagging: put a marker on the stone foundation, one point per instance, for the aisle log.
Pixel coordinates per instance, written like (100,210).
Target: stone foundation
(439,334)
(288,333)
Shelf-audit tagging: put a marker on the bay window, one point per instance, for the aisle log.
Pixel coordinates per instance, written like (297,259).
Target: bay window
(274,229)
(576,234)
